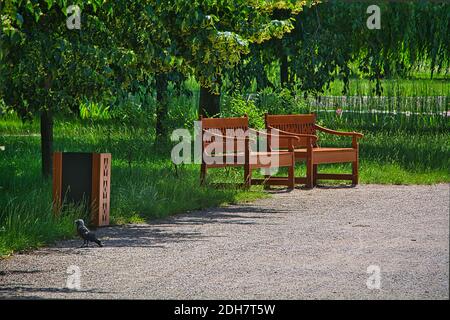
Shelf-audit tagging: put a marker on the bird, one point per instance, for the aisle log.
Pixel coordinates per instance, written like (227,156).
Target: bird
(86,235)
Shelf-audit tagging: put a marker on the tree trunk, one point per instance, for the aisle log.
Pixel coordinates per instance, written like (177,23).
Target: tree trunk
(46,142)
(284,70)
(209,104)
(161,107)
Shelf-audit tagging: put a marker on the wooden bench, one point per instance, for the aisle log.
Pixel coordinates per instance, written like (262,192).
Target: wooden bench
(307,148)
(239,148)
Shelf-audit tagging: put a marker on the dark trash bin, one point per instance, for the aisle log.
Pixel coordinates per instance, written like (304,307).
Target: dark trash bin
(82,176)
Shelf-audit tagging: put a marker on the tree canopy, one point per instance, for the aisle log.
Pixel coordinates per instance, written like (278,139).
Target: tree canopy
(330,37)
(46,67)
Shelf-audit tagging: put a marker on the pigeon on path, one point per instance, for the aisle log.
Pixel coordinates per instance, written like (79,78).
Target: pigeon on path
(86,235)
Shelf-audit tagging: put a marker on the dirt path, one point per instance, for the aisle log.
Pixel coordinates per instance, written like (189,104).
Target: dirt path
(298,245)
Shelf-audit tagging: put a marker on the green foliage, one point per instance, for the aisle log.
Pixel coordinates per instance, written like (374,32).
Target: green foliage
(144,185)
(182,112)
(105,73)
(331,40)
(132,108)
(94,111)
(210,37)
(152,187)
(44,65)
(397,87)
(281,101)
(236,106)
(30,223)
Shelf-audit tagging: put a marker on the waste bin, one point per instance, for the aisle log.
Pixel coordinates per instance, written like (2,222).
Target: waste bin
(83,177)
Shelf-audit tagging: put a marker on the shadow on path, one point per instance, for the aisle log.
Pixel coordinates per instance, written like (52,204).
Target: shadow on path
(10,291)
(159,233)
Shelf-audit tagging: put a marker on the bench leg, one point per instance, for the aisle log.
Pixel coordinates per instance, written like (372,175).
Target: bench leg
(315,174)
(203,171)
(247,175)
(309,173)
(266,185)
(291,174)
(355,173)
(355,164)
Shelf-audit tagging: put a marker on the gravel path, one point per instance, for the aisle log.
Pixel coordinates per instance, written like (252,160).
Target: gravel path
(304,244)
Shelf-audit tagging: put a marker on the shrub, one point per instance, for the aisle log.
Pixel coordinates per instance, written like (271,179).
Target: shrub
(94,110)
(281,101)
(236,106)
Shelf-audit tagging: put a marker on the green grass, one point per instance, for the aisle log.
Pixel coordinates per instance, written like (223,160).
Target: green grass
(395,158)
(146,185)
(393,87)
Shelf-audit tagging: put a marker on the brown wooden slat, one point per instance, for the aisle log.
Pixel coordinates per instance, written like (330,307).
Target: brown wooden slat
(334,176)
(305,124)
(300,180)
(252,160)
(95,195)
(298,123)
(330,150)
(57,182)
(101,186)
(218,165)
(225,123)
(333,157)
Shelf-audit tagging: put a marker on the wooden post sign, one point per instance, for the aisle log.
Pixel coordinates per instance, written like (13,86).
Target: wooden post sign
(80,176)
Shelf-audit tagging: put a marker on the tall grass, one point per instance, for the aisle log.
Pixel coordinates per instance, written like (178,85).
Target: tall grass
(392,87)
(412,114)
(412,105)
(144,182)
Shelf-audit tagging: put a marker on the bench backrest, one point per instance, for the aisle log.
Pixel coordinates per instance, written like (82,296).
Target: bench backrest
(294,123)
(221,125)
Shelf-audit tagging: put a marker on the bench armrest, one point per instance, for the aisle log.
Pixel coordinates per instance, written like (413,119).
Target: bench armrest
(290,138)
(284,136)
(227,137)
(339,133)
(299,135)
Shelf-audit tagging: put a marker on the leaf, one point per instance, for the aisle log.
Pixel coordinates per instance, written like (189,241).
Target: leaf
(19,19)
(30,7)
(50,4)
